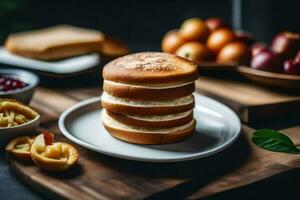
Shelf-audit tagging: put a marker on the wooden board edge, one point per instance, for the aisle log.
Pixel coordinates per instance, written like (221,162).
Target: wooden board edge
(28,181)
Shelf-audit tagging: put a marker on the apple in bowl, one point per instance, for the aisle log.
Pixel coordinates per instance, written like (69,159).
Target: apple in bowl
(194,29)
(267,60)
(257,48)
(171,41)
(292,66)
(194,51)
(235,52)
(297,58)
(215,23)
(219,38)
(287,44)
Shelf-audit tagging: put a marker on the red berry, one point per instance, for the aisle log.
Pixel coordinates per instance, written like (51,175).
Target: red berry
(8,84)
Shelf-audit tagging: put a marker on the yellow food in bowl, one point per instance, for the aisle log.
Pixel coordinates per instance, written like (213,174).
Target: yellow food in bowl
(14,113)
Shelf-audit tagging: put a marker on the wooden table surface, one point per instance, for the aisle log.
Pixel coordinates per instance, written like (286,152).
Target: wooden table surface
(51,103)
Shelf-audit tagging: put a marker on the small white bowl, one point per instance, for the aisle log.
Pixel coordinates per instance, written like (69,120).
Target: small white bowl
(27,129)
(24,94)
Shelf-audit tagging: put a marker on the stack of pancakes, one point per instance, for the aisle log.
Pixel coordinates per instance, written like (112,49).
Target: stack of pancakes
(148,98)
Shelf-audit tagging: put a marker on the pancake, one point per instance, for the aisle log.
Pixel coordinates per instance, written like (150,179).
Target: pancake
(154,121)
(150,68)
(136,107)
(148,98)
(146,135)
(148,92)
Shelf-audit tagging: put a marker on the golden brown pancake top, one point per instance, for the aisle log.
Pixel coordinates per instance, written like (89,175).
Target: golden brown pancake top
(150,68)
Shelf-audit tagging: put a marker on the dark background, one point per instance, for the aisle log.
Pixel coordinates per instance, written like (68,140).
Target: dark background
(142,23)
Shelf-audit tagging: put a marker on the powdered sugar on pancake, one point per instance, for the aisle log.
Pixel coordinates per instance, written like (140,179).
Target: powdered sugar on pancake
(147,62)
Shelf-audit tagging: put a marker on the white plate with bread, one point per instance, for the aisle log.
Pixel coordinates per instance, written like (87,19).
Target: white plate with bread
(61,49)
(149,112)
(59,67)
(217,127)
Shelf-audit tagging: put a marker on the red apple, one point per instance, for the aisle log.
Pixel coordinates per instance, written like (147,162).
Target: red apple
(257,47)
(287,44)
(291,67)
(297,58)
(244,37)
(215,23)
(267,61)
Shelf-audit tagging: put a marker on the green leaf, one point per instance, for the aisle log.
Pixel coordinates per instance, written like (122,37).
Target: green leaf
(274,141)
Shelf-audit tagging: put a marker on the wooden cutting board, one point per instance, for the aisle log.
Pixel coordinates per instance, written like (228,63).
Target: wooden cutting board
(253,103)
(101,177)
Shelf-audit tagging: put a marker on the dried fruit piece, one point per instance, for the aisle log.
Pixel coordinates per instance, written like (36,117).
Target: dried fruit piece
(54,156)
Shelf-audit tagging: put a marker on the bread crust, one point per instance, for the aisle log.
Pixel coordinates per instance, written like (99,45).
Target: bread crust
(139,110)
(58,52)
(149,138)
(150,68)
(124,91)
(150,124)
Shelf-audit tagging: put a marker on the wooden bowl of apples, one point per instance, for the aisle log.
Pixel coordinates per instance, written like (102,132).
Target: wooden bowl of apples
(213,45)
(276,65)
(210,43)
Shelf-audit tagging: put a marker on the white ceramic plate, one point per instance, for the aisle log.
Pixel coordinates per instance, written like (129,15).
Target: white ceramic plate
(217,128)
(66,66)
